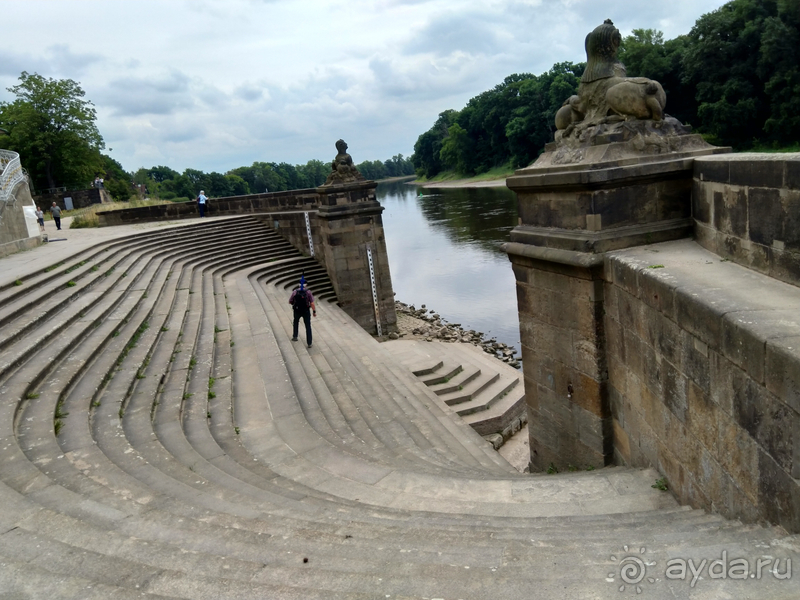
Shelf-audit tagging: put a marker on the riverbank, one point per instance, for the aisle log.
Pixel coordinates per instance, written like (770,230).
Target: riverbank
(461,183)
(450,179)
(425,324)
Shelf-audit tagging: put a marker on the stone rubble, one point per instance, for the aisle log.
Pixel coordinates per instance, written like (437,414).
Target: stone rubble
(427,324)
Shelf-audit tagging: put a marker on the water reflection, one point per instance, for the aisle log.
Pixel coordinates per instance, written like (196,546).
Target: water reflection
(444,251)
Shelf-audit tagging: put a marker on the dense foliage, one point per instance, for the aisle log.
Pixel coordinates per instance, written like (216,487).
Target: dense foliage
(735,78)
(53,129)
(166,183)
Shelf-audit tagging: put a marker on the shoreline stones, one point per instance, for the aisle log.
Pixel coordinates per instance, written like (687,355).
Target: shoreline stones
(434,327)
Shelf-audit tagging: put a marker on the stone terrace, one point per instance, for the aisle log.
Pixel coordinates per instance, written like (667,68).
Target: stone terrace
(162,437)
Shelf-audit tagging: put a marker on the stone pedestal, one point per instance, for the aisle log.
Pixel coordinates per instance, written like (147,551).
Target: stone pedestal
(351,231)
(570,214)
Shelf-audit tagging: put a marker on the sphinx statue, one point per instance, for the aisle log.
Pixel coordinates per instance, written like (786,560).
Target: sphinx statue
(606,94)
(342,168)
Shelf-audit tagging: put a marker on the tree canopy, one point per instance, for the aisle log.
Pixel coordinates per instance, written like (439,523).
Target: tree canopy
(53,129)
(735,77)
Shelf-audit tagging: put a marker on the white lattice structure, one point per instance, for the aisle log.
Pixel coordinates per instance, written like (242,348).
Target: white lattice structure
(11,173)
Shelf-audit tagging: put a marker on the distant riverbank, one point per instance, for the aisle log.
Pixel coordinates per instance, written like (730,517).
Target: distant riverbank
(461,183)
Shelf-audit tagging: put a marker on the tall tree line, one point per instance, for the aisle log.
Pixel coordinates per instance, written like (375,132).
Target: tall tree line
(735,77)
(54,130)
(260,177)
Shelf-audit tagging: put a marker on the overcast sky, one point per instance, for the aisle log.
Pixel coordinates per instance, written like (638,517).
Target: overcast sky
(216,85)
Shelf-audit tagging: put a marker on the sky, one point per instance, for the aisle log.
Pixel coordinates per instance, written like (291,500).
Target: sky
(215,85)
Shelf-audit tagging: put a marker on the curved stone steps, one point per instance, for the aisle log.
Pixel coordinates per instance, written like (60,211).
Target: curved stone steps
(184,506)
(382,412)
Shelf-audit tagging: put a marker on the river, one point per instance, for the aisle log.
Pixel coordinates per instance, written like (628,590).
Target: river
(444,252)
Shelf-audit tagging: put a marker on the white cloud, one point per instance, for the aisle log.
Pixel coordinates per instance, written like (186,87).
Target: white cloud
(214,85)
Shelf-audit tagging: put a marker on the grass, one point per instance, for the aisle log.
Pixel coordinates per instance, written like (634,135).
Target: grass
(500,172)
(552,469)
(661,484)
(656,267)
(71,284)
(31,396)
(83,218)
(776,149)
(187,395)
(59,414)
(133,341)
(192,363)
(75,266)
(57,425)
(18,282)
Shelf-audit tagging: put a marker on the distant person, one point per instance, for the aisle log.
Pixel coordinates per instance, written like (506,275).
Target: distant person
(302,301)
(55,210)
(201,203)
(40,218)
(96,183)
(100,183)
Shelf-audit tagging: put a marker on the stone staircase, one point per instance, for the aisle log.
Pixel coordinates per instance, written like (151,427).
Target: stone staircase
(487,394)
(162,437)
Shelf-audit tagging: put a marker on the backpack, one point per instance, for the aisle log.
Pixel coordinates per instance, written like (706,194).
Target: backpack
(300,301)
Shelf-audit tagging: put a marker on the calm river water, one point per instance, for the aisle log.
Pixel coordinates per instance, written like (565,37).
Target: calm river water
(444,251)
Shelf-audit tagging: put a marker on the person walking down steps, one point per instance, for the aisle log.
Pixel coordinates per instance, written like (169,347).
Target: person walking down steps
(302,301)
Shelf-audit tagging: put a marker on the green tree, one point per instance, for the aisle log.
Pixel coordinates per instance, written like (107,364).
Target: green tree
(721,63)
(117,181)
(428,146)
(455,149)
(53,129)
(646,54)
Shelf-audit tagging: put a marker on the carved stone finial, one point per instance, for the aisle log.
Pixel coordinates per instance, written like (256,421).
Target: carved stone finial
(342,169)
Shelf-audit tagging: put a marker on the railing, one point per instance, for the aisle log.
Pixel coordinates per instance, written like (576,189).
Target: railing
(11,173)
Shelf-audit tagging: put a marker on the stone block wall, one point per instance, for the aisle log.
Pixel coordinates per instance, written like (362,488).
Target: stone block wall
(80,198)
(300,200)
(18,230)
(347,232)
(747,209)
(292,227)
(705,386)
(561,331)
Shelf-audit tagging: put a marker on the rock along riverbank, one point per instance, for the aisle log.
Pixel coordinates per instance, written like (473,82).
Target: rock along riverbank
(427,324)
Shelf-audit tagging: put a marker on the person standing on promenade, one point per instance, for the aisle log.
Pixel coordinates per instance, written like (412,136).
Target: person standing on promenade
(40,218)
(55,210)
(201,203)
(302,301)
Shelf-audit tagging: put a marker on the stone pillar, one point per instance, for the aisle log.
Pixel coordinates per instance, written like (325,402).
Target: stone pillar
(570,215)
(351,228)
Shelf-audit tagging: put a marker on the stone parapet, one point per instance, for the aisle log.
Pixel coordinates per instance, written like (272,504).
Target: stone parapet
(746,208)
(704,378)
(300,200)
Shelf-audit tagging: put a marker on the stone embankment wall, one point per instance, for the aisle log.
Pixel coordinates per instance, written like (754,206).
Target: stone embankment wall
(18,231)
(346,231)
(80,198)
(294,200)
(747,209)
(660,322)
(703,355)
